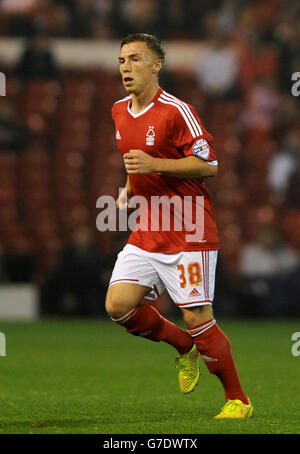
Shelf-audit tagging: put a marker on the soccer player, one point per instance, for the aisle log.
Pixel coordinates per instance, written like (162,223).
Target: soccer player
(167,152)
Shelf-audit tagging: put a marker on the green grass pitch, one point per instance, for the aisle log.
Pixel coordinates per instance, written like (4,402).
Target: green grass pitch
(91,377)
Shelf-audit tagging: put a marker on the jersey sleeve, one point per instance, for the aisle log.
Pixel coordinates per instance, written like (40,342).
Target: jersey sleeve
(189,135)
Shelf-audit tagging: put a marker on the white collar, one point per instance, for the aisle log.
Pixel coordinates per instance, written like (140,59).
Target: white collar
(140,113)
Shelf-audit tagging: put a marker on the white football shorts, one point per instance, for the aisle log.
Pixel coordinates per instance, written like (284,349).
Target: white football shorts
(189,277)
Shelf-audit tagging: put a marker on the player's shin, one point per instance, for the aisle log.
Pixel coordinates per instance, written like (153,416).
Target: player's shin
(215,350)
(146,321)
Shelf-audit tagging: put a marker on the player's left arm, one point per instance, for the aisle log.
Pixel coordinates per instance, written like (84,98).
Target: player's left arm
(189,167)
(137,162)
(189,135)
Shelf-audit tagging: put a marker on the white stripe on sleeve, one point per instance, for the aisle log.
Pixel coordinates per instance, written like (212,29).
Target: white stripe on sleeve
(187,109)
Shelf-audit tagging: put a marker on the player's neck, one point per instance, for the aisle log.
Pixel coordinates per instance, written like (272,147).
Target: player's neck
(142,100)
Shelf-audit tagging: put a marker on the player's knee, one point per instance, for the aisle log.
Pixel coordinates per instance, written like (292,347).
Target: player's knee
(115,306)
(197,315)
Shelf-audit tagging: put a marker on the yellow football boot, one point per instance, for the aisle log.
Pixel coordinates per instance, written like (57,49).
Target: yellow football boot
(235,409)
(189,372)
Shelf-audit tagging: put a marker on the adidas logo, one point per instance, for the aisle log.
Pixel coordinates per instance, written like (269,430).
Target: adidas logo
(118,135)
(194,292)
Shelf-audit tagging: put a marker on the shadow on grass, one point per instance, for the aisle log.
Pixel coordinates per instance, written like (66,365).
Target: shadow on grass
(71,423)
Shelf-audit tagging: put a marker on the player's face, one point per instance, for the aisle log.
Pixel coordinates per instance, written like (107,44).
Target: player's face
(138,66)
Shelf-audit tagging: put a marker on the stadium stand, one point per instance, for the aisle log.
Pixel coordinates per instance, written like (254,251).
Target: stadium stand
(51,187)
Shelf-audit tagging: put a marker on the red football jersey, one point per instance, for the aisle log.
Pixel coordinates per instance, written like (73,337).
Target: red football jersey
(168,128)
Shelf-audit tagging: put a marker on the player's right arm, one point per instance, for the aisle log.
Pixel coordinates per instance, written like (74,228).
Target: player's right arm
(125,194)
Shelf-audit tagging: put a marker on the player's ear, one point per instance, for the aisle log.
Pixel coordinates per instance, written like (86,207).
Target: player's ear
(158,64)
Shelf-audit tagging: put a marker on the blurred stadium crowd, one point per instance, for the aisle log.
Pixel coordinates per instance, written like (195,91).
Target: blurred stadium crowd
(58,153)
(108,19)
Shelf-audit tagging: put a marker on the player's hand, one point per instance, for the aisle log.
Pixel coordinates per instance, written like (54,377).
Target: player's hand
(122,200)
(137,162)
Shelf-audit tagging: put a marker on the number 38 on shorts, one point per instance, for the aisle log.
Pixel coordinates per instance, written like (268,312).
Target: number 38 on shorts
(194,274)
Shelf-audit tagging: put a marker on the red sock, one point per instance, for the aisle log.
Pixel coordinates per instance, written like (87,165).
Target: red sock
(147,322)
(215,350)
